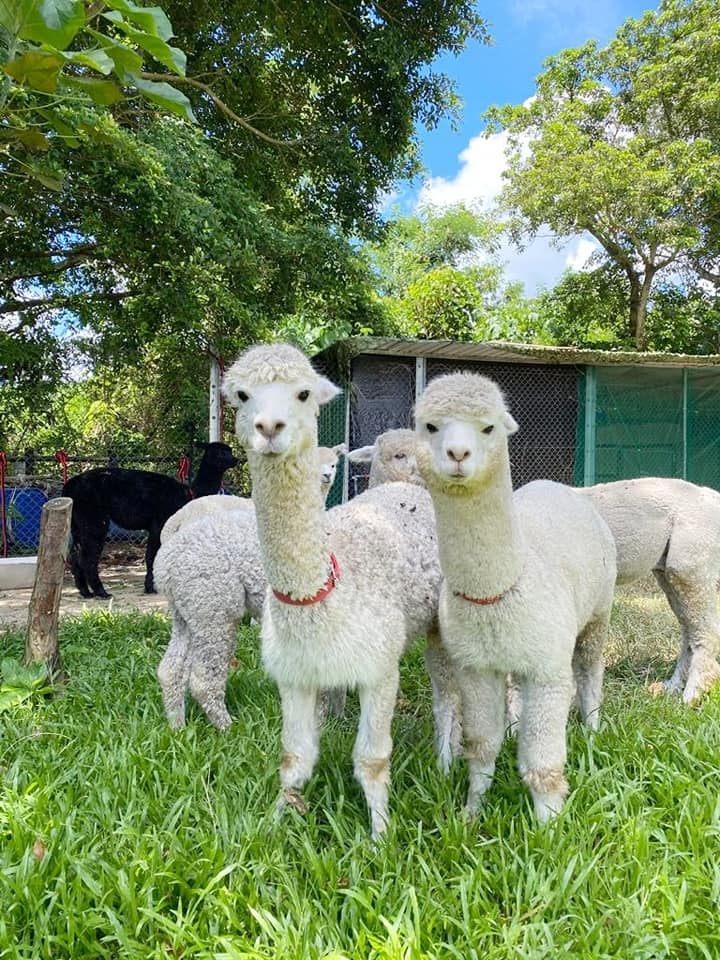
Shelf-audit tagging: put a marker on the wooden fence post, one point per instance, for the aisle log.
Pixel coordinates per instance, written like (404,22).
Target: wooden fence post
(42,633)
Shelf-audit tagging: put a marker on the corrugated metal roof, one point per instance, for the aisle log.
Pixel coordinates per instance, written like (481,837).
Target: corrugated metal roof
(500,351)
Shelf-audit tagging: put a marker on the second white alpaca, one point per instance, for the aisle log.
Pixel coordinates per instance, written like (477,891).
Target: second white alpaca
(672,528)
(528,588)
(391,458)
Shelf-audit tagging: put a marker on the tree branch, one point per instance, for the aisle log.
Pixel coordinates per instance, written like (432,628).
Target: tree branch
(223,108)
(18,306)
(72,260)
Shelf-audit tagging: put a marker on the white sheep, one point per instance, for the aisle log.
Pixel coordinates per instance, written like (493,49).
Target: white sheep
(528,588)
(391,458)
(210,568)
(672,528)
(350,588)
(220,503)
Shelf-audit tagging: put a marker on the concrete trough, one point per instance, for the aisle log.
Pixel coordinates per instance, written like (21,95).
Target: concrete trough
(17,573)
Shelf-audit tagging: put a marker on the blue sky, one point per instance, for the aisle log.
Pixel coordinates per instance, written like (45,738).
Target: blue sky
(462,165)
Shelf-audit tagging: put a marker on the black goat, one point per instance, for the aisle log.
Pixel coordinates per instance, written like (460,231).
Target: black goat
(135,500)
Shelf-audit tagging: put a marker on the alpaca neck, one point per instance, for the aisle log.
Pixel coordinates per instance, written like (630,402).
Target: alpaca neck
(291,522)
(208,480)
(482,550)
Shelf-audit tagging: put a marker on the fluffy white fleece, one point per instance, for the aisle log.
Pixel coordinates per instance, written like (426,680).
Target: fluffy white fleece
(528,588)
(386,594)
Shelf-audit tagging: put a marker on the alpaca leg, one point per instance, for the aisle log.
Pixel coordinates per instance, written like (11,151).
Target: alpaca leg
(173,673)
(300,742)
(589,667)
(695,600)
(483,708)
(91,546)
(542,749)
(77,571)
(153,545)
(371,754)
(513,705)
(446,702)
(211,651)
(679,676)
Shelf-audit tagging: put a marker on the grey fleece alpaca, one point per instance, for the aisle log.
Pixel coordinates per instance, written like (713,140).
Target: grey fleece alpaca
(210,568)
(672,528)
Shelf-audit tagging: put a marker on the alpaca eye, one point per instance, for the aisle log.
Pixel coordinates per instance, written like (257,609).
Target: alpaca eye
(303,395)
(400,456)
(431,428)
(242,396)
(489,429)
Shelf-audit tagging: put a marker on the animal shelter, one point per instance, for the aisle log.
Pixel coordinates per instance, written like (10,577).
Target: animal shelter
(585,416)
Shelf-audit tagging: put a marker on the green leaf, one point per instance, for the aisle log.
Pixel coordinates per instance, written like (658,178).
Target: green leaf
(54,22)
(96,59)
(33,139)
(151,19)
(68,133)
(52,183)
(102,92)
(38,69)
(16,674)
(127,63)
(166,97)
(12,696)
(171,57)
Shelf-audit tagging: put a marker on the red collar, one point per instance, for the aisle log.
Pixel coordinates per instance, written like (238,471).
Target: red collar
(326,588)
(482,601)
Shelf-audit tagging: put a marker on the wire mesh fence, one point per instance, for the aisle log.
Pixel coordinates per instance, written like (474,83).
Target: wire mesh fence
(29,480)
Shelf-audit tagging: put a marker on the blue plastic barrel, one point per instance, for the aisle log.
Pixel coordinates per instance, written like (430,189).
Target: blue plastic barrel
(23,510)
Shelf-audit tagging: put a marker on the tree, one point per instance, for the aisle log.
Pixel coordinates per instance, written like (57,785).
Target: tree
(437,275)
(58,54)
(587,309)
(592,152)
(145,237)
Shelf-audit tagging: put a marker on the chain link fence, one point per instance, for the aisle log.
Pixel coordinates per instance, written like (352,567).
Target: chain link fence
(28,481)
(579,423)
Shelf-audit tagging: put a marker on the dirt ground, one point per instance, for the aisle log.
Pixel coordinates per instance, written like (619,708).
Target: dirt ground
(123,579)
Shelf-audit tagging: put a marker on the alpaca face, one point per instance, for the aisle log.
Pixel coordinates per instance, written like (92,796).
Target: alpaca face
(460,452)
(280,418)
(394,456)
(328,460)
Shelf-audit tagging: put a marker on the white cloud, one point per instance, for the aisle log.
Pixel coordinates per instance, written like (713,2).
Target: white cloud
(478,182)
(578,258)
(479,179)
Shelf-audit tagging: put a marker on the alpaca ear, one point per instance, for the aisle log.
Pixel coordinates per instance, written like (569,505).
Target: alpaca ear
(362,454)
(340,449)
(509,423)
(325,390)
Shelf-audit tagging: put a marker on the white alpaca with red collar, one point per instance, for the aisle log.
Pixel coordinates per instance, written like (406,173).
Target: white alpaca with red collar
(528,588)
(384,597)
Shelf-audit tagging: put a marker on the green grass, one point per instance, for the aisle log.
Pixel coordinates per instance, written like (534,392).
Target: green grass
(119,839)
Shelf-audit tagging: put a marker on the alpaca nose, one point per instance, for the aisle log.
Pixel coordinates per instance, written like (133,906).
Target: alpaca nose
(458,453)
(269,428)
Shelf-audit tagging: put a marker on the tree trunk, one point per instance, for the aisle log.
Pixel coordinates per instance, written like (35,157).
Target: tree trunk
(640,286)
(42,633)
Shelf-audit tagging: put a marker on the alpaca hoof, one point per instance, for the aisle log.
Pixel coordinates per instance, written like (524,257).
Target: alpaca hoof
(700,681)
(291,798)
(149,590)
(548,805)
(102,595)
